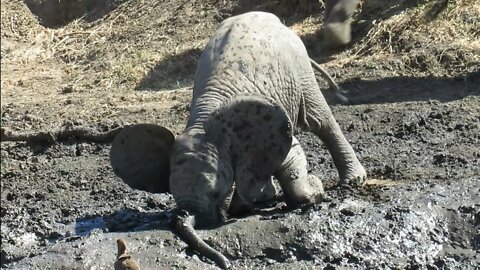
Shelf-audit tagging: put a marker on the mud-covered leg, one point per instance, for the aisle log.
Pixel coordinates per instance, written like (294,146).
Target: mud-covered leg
(320,121)
(298,186)
(350,170)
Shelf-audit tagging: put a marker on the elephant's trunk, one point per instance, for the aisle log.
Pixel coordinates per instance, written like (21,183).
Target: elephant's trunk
(184,225)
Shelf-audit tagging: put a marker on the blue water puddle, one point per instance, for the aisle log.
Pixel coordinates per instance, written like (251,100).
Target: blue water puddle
(85,226)
(125,220)
(120,221)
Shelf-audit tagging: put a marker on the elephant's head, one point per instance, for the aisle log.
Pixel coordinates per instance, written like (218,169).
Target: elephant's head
(201,176)
(246,135)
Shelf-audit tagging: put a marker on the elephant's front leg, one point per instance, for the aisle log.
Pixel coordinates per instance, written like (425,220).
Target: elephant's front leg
(349,167)
(298,186)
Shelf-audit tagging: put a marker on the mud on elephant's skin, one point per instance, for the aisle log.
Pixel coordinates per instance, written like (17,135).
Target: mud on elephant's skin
(254,84)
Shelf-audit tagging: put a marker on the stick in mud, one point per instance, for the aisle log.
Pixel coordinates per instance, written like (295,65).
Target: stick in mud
(79,133)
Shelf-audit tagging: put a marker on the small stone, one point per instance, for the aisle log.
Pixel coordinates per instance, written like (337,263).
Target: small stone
(67,89)
(348,212)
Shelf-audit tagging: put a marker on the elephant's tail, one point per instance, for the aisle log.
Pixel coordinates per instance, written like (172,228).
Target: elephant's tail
(343,99)
(184,225)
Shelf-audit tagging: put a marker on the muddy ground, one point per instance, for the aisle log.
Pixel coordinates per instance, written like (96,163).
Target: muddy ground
(414,123)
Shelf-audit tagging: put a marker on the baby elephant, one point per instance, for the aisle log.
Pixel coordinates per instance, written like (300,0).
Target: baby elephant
(253,87)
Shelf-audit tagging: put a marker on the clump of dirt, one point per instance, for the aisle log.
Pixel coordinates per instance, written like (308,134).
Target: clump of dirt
(412,71)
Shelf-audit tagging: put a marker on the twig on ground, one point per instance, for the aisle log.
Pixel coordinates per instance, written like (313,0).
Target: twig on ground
(74,33)
(79,133)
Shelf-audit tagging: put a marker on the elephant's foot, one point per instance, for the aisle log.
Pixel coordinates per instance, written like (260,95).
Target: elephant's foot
(354,175)
(308,190)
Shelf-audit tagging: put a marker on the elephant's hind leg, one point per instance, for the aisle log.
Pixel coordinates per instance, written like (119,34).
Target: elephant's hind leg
(298,186)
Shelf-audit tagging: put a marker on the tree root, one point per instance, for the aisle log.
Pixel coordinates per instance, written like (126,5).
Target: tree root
(78,133)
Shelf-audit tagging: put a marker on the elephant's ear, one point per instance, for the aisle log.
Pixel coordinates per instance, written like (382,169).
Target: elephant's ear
(259,132)
(140,156)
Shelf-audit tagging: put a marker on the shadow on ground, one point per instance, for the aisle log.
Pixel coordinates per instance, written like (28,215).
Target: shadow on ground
(402,89)
(172,72)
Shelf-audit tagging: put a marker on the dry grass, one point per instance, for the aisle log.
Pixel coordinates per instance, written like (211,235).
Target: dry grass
(100,62)
(123,46)
(128,42)
(105,60)
(456,24)
(16,21)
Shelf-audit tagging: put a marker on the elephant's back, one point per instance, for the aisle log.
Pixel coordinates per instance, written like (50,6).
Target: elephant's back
(254,43)
(252,53)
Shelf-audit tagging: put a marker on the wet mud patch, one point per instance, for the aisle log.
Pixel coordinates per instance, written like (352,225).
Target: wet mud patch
(420,207)
(407,88)
(409,224)
(52,199)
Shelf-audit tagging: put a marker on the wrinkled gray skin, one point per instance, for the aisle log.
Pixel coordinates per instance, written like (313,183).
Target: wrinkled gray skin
(254,85)
(254,53)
